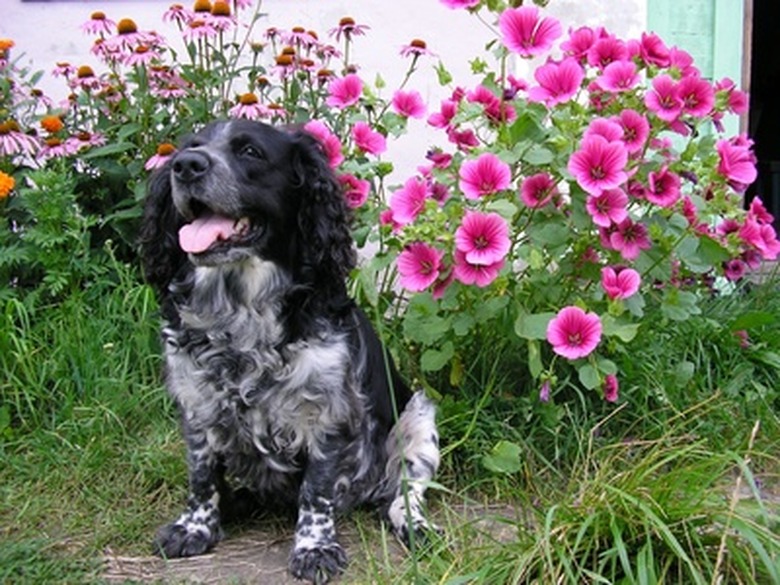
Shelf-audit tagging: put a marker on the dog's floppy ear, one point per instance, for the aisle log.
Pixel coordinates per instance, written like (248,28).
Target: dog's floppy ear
(161,256)
(326,252)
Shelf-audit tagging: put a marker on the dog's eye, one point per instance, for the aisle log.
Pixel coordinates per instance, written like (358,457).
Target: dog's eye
(251,151)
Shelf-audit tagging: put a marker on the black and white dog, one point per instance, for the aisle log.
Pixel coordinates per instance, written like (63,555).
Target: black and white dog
(284,389)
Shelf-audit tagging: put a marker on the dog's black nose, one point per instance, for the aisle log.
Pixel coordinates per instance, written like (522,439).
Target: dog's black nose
(189,166)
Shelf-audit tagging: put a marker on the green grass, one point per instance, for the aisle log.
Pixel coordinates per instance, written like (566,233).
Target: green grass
(676,484)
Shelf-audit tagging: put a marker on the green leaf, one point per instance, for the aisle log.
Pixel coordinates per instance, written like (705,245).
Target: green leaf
(489,308)
(683,372)
(433,360)
(713,251)
(533,326)
(538,155)
(612,327)
(526,128)
(503,458)
(422,323)
(504,208)
(589,376)
(462,324)
(550,234)
(688,251)
(679,305)
(108,150)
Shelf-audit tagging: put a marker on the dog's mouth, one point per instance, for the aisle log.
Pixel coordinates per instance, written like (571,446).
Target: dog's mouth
(211,231)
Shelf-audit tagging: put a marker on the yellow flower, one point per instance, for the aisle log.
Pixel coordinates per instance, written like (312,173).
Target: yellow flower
(6,184)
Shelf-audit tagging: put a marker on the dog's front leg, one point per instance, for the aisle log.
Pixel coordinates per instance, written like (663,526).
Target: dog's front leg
(317,556)
(198,528)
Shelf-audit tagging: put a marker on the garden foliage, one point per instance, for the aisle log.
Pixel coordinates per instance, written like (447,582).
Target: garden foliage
(554,213)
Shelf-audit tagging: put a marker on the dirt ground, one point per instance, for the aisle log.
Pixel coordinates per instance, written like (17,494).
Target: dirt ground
(258,554)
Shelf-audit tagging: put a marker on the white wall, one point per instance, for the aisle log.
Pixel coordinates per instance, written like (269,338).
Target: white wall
(49,32)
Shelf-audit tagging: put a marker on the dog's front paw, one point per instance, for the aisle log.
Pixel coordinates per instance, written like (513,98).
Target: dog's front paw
(319,564)
(184,540)
(422,533)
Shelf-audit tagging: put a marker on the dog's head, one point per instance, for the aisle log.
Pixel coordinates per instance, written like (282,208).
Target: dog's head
(239,189)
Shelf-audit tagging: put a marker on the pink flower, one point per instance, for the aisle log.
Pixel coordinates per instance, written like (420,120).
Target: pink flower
(620,283)
(636,129)
(599,164)
(463,139)
(330,143)
(762,237)
(367,139)
(618,76)
(163,154)
(98,24)
(605,50)
(544,391)
(653,51)
(455,4)
(348,28)
(664,99)
(495,109)
(573,333)
(758,212)
(630,239)
(734,269)
(580,41)
(355,190)
(736,101)
(415,49)
(485,175)
(607,128)
(697,95)
(737,161)
(663,187)
(344,91)
(478,274)
(607,207)
(682,61)
(537,190)
(419,266)
(444,116)
(525,33)
(610,388)
(408,104)
(483,238)
(558,82)
(409,201)
(249,107)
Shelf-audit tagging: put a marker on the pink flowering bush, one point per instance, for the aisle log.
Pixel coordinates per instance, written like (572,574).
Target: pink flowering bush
(560,210)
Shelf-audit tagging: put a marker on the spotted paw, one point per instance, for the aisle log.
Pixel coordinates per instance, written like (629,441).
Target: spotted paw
(421,534)
(184,540)
(318,565)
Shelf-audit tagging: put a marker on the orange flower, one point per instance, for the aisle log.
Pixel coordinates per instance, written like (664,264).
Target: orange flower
(126,26)
(52,124)
(6,184)
(6,44)
(166,149)
(220,8)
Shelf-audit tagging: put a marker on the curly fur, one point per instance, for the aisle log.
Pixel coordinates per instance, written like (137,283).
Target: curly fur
(285,391)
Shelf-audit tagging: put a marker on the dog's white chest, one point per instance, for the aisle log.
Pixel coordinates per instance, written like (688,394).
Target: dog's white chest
(279,401)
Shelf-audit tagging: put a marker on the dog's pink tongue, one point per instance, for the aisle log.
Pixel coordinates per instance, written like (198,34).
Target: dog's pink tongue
(196,237)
